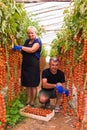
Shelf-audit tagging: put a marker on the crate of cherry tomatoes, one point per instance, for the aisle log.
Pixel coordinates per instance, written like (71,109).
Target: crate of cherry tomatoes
(37,113)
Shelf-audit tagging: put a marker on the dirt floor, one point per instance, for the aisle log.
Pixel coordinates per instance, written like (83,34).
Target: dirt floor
(58,122)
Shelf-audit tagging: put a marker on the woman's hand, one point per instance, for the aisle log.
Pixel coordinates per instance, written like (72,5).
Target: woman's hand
(17,48)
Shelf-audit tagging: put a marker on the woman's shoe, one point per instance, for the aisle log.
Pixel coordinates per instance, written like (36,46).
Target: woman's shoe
(32,105)
(27,104)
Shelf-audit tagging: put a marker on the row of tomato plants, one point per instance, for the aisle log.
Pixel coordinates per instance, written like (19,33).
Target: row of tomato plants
(14,22)
(76,74)
(9,85)
(71,47)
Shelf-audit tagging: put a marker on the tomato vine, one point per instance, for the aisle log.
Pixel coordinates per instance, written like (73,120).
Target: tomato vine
(14,21)
(73,31)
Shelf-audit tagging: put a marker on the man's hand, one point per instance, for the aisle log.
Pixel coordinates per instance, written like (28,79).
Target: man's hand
(66,91)
(17,48)
(59,89)
(59,84)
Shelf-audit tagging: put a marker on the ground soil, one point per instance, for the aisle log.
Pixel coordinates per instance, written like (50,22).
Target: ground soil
(60,121)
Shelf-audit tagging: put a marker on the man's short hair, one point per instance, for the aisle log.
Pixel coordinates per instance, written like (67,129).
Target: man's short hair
(55,59)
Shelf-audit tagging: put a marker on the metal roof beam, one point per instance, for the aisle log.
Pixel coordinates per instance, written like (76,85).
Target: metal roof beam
(27,1)
(33,1)
(38,12)
(49,18)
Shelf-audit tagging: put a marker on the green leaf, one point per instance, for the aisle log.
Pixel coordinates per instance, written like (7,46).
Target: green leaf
(0,123)
(3,26)
(0,13)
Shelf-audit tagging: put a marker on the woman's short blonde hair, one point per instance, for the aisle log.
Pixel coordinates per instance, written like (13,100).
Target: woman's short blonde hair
(33,28)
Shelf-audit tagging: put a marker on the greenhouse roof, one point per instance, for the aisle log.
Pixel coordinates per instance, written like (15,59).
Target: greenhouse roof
(49,15)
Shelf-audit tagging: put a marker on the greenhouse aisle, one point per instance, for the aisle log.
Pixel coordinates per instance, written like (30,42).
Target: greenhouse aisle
(58,122)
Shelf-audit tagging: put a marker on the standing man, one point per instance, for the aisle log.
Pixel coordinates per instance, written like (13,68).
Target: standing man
(52,79)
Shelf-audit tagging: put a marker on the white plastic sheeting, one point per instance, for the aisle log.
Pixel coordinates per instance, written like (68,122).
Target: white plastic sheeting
(49,15)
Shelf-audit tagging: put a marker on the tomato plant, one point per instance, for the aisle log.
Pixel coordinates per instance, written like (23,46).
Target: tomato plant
(14,21)
(44,51)
(73,31)
(12,112)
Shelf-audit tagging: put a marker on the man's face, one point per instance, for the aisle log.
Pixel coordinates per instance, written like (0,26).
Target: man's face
(53,66)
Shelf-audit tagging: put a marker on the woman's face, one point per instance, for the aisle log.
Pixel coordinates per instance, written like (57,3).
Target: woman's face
(31,33)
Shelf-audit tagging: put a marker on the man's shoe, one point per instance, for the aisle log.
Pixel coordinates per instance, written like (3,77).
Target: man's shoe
(57,109)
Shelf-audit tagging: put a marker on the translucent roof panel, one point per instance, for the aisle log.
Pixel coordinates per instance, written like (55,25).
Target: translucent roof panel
(49,15)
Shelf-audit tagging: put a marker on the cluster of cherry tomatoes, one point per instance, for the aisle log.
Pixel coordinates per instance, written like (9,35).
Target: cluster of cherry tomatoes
(37,111)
